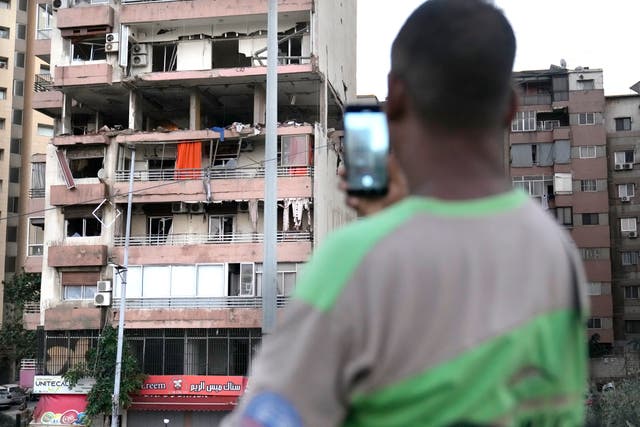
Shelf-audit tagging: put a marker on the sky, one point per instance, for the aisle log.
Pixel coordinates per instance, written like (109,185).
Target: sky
(592,33)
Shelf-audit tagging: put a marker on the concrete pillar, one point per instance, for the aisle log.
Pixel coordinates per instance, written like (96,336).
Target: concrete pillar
(324,104)
(65,119)
(194,110)
(135,112)
(259,104)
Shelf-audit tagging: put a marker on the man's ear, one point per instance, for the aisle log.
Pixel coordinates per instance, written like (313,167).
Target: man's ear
(396,106)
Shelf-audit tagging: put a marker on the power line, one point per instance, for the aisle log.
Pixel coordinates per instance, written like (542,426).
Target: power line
(163,184)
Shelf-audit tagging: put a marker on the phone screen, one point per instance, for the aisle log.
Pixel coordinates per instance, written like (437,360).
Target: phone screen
(366,149)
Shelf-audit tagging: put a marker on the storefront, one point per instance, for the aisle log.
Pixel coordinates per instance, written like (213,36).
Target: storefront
(185,400)
(60,404)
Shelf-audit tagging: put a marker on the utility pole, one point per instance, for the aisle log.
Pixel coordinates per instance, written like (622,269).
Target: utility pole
(269,265)
(122,271)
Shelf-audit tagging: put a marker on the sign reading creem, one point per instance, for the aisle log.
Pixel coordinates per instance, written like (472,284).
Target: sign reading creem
(55,384)
(195,385)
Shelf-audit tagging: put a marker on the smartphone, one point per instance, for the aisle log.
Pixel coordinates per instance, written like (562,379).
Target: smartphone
(366,150)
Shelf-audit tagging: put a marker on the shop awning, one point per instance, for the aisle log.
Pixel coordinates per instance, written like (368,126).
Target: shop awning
(184,403)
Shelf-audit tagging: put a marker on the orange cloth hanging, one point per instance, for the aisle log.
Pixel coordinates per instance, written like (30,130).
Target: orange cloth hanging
(189,160)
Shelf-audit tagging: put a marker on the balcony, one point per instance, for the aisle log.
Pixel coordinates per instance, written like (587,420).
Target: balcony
(77,256)
(208,239)
(210,303)
(212,173)
(89,73)
(82,194)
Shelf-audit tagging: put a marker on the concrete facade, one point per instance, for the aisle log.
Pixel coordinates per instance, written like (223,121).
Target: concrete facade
(558,155)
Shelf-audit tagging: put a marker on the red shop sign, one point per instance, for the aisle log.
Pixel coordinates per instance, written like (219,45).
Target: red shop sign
(195,385)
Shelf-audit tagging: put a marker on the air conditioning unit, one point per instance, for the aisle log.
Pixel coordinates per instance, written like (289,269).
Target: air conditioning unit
(179,207)
(627,166)
(104,285)
(111,47)
(196,208)
(57,4)
(633,234)
(102,299)
(625,199)
(139,49)
(618,166)
(243,206)
(139,61)
(112,38)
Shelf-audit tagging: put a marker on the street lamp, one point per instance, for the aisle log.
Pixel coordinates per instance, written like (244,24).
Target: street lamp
(166,422)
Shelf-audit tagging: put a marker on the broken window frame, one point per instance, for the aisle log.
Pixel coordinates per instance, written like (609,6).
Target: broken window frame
(93,49)
(35,237)
(159,228)
(89,222)
(223,223)
(172,57)
(91,153)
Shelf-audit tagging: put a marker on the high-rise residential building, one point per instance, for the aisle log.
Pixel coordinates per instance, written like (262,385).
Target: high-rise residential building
(180,85)
(623,139)
(24,135)
(558,155)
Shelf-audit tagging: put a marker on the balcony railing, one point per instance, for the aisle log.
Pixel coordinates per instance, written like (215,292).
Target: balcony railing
(202,302)
(541,99)
(36,193)
(31,308)
(214,173)
(206,239)
(42,82)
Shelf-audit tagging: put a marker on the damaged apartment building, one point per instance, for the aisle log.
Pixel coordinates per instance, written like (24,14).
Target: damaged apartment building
(182,84)
(558,155)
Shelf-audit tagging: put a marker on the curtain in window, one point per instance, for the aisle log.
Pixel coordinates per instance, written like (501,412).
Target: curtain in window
(545,154)
(37,175)
(521,155)
(562,151)
(189,160)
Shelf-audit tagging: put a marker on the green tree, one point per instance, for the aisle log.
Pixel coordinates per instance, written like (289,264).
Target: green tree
(619,406)
(21,289)
(100,365)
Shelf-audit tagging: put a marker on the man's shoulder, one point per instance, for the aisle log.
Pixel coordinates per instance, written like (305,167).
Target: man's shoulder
(335,260)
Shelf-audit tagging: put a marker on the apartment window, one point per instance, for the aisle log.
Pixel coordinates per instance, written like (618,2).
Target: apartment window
(159,227)
(21,32)
(45,15)
(45,130)
(628,224)
(17,117)
(594,288)
(526,155)
(13,204)
(85,162)
(2,123)
(221,226)
(10,264)
(286,278)
(587,118)
(623,123)
(632,326)
(18,88)
(164,57)
(632,292)
(594,253)
(14,175)
(22,5)
(626,190)
(525,121)
(622,157)
(590,219)
(20,59)
(38,179)
(12,233)
(80,222)
(79,292)
(537,187)
(3,93)
(588,152)
(588,185)
(89,49)
(629,258)
(5,4)
(4,62)
(294,150)
(565,215)
(4,33)
(35,238)
(594,323)
(586,84)
(15,145)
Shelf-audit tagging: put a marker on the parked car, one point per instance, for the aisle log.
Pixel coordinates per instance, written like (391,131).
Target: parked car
(16,393)
(5,398)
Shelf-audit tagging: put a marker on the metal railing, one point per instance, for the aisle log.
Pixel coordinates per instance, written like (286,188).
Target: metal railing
(36,193)
(193,302)
(31,308)
(42,83)
(28,364)
(122,175)
(540,99)
(206,239)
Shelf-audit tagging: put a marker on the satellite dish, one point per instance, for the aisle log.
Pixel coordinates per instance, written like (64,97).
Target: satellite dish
(563,63)
(102,175)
